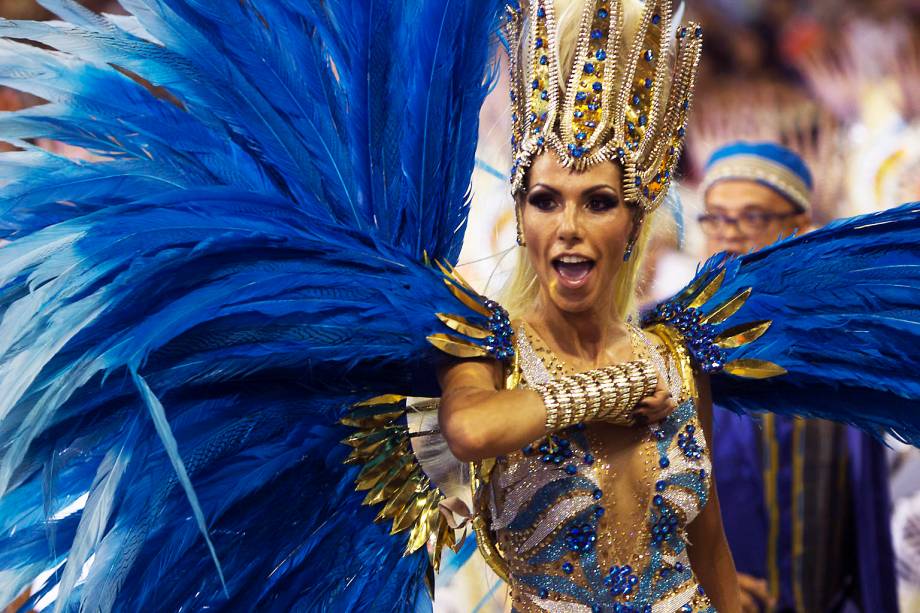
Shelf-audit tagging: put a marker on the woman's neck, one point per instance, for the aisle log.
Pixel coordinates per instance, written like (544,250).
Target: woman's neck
(588,336)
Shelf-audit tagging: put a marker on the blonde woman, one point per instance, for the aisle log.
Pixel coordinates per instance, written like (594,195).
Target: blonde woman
(601,497)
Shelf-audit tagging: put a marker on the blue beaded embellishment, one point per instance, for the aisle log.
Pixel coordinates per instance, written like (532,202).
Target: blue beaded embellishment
(621,580)
(698,336)
(688,443)
(581,537)
(500,343)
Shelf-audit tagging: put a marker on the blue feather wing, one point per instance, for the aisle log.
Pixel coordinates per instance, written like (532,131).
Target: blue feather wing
(844,307)
(185,321)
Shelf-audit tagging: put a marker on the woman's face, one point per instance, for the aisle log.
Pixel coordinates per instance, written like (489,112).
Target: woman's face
(576,227)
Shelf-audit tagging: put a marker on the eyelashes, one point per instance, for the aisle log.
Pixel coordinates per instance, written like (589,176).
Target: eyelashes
(596,204)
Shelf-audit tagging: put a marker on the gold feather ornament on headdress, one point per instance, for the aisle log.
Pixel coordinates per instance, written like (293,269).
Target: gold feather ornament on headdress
(626,99)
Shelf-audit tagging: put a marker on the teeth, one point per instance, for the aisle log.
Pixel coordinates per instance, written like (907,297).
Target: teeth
(573,259)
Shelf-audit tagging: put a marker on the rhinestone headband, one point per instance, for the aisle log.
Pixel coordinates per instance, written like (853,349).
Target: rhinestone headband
(625,101)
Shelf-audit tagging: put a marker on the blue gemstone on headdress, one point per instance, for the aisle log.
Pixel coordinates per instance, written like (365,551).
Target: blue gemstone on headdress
(648,83)
(630,126)
(578,151)
(594,106)
(649,55)
(535,84)
(513,97)
(681,132)
(544,60)
(598,87)
(683,33)
(601,55)
(581,136)
(685,105)
(595,34)
(580,96)
(540,141)
(589,68)
(591,124)
(602,14)
(539,43)
(541,12)
(636,100)
(643,120)
(656,19)
(578,114)
(533,117)
(544,95)
(638,181)
(698,32)
(543,116)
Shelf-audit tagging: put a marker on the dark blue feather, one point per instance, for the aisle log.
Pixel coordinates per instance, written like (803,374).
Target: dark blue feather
(845,305)
(241,266)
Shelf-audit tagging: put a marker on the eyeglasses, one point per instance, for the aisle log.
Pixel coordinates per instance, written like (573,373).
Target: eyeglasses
(748,222)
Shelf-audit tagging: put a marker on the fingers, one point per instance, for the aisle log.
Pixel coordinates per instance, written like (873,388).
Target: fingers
(756,590)
(748,604)
(654,408)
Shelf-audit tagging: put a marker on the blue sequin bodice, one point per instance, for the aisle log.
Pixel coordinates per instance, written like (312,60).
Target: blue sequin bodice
(593,518)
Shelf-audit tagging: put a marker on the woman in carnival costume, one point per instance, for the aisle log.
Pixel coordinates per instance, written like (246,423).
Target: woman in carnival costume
(259,269)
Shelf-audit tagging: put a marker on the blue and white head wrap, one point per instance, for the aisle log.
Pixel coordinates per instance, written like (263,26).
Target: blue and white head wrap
(769,164)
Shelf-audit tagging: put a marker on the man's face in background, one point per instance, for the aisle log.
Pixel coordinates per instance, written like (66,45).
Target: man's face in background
(743,216)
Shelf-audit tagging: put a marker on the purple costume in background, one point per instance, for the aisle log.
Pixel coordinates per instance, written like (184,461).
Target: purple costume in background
(805,506)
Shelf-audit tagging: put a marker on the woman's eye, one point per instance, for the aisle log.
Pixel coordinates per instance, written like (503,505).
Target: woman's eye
(601,204)
(542,203)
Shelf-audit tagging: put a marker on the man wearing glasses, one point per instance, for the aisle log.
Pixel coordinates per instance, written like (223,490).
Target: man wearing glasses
(804,502)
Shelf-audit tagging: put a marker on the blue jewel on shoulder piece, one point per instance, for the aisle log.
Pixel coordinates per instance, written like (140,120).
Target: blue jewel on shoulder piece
(699,321)
(485,332)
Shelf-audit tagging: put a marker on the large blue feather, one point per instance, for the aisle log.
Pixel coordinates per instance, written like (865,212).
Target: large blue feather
(240,266)
(844,302)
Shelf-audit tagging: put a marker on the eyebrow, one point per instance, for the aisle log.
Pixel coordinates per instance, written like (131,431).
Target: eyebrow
(744,207)
(546,187)
(590,190)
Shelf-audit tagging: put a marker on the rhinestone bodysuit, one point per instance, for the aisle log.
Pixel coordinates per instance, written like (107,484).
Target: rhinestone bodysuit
(593,517)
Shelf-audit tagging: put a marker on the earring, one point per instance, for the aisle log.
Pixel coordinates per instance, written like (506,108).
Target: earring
(638,220)
(521,241)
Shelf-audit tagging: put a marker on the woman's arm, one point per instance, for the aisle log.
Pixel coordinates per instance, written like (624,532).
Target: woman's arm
(478,419)
(710,556)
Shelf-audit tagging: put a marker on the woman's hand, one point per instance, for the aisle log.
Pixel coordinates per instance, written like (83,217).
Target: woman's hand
(755,596)
(656,407)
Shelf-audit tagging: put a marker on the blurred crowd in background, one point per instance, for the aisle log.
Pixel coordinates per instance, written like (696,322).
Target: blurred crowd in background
(836,81)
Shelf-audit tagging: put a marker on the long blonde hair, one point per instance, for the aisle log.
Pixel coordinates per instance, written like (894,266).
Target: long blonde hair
(522,290)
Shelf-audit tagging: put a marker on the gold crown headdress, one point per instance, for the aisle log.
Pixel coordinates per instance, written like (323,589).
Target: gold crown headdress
(625,100)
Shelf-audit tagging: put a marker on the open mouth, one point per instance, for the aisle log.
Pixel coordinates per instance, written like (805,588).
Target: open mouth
(573,270)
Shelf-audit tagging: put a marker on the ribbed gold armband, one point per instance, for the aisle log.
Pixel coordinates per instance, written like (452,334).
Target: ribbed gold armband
(609,394)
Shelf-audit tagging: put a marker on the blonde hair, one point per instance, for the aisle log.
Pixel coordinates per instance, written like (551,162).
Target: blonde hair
(522,290)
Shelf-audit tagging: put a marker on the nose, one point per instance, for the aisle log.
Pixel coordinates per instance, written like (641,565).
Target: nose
(570,229)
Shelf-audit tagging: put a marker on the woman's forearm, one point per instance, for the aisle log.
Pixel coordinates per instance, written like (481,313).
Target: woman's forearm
(479,424)
(712,563)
